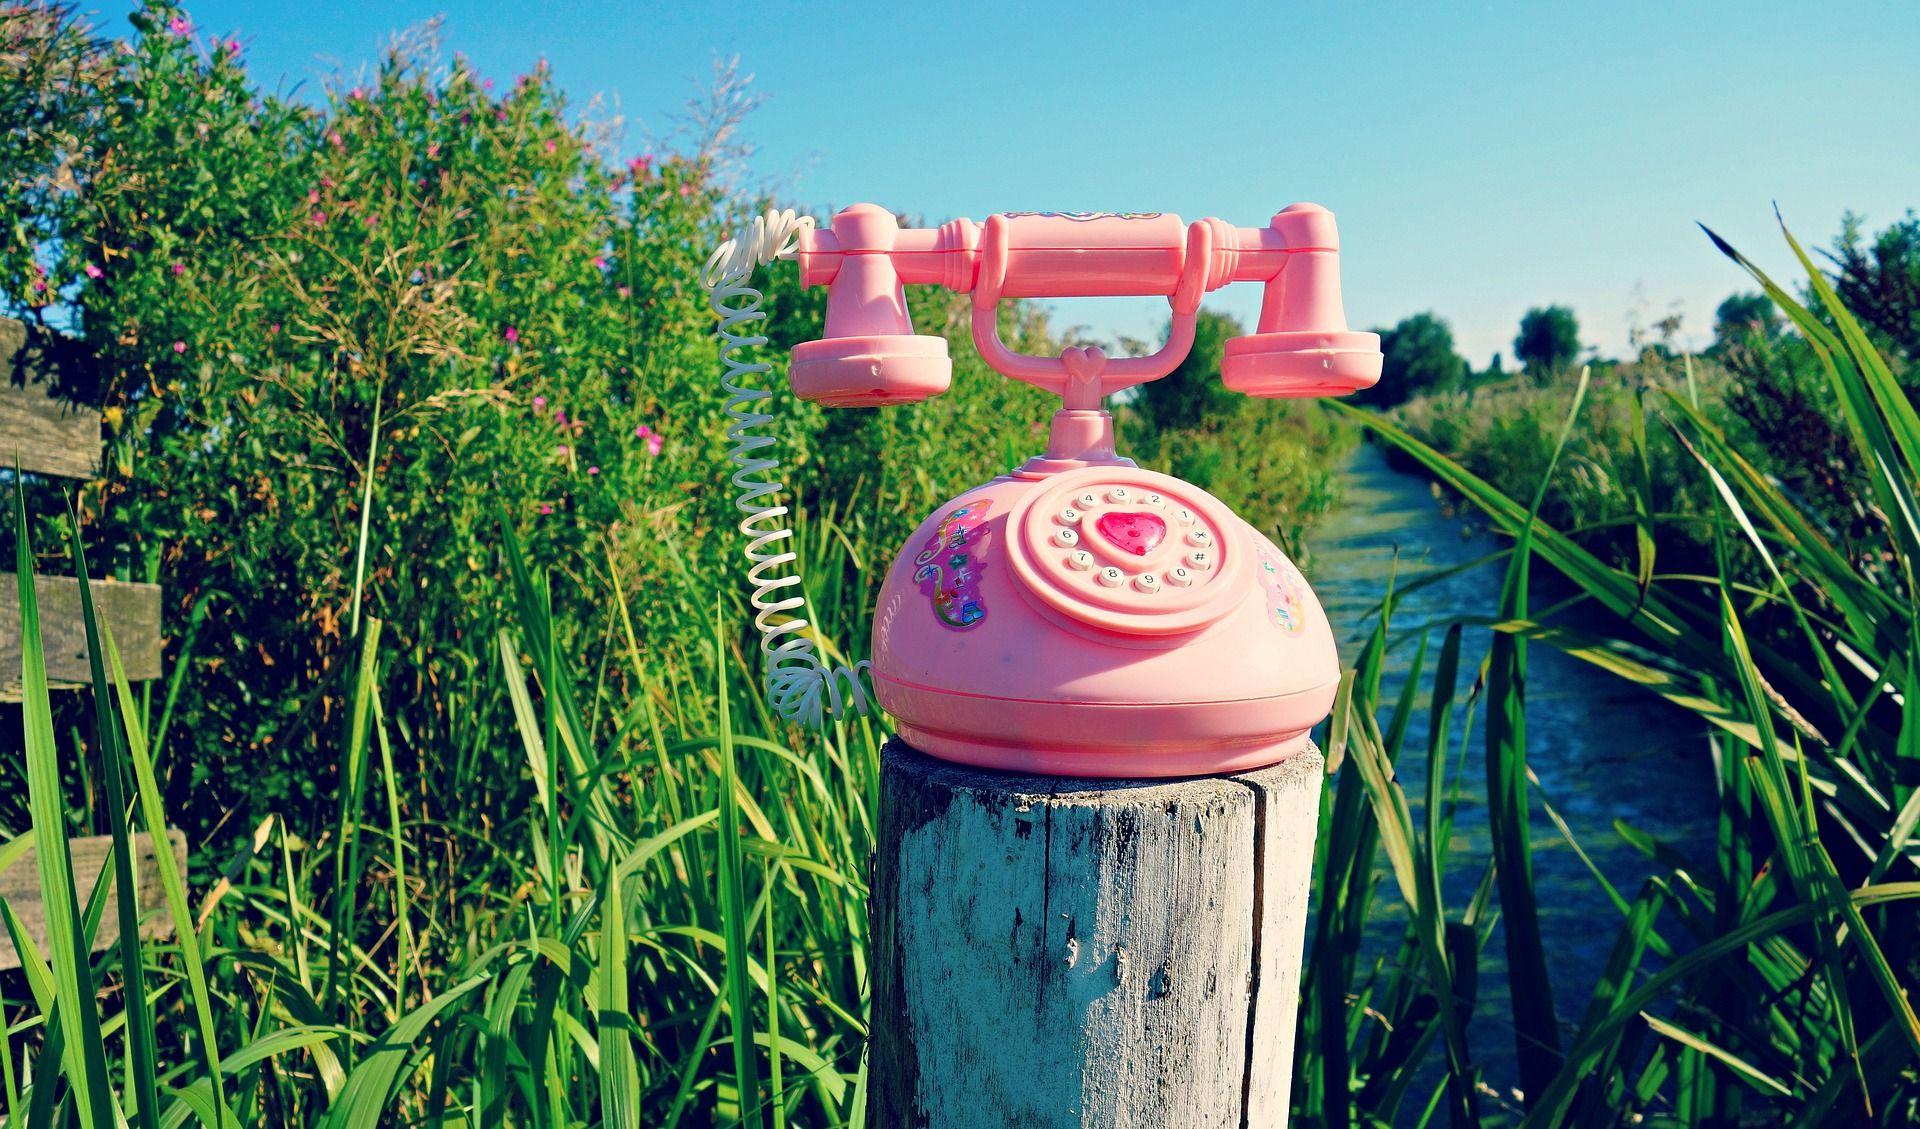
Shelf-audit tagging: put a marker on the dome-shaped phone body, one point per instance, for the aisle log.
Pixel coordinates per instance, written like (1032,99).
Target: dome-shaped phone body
(1106,621)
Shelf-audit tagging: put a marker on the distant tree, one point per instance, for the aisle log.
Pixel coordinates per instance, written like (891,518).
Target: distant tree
(1418,357)
(1549,339)
(1879,280)
(1743,319)
(1495,369)
(1192,393)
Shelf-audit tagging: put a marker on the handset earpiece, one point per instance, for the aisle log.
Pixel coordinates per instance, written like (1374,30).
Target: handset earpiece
(870,354)
(1302,346)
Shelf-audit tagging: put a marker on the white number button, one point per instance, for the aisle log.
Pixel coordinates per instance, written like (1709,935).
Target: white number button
(1183,515)
(1066,538)
(1080,561)
(1068,516)
(1118,494)
(1154,500)
(1179,577)
(1200,538)
(1200,560)
(1087,501)
(1111,577)
(1147,582)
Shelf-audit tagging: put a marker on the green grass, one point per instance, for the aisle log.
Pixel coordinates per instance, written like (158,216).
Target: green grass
(682,941)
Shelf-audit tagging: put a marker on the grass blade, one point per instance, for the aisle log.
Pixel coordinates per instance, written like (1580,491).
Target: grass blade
(139,1012)
(733,909)
(85,1057)
(1536,1029)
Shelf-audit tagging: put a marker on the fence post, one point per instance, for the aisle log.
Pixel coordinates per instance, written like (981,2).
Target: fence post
(1079,953)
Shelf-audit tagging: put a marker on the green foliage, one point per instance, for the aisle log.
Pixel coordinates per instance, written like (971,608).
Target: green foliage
(1506,432)
(1417,358)
(1744,320)
(1549,339)
(1192,395)
(1878,280)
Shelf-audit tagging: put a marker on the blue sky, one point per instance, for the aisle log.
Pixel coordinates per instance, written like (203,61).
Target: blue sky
(1482,158)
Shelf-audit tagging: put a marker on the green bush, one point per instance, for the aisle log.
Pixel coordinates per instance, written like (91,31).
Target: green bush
(1622,462)
(342,345)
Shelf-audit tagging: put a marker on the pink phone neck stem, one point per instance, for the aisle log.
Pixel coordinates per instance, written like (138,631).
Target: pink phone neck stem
(1078,437)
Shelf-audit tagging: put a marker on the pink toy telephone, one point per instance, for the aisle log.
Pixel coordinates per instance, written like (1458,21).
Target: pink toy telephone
(1078,615)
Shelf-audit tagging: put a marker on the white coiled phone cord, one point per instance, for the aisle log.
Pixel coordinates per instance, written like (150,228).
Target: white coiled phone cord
(801,686)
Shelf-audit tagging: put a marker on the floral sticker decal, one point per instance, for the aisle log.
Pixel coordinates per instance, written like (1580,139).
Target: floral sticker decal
(949,568)
(1286,590)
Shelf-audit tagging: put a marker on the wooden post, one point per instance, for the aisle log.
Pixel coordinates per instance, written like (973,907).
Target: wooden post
(1055,953)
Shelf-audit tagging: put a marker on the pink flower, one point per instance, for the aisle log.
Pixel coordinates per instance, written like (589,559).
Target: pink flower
(274,328)
(487,85)
(317,218)
(623,291)
(179,26)
(94,271)
(545,509)
(560,416)
(511,334)
(639,165)
(179,269)
(642,431)
(552,145)
(334,139)
(600,262)
(358,94)
(654,443)
(233,46)
(561,450)
(179,346)
(499,115)
(39,287)
(686,190)
(433,148)
(592,470)
(539,401)
(313,195)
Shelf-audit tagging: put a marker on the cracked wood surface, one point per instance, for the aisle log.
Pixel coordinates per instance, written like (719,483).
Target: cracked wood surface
(1060,952)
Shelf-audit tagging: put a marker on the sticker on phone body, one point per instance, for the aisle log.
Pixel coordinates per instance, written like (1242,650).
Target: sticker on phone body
(1285,589)
(949,568)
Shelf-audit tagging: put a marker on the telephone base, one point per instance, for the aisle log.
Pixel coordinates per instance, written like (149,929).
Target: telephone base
(1106,762)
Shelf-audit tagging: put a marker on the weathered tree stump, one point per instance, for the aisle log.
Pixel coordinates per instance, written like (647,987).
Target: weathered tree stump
(1065,952)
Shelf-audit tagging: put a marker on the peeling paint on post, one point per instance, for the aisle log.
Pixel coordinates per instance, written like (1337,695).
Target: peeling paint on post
(1080,953)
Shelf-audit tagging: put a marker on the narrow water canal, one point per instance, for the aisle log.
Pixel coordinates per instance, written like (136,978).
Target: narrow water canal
(1603,750)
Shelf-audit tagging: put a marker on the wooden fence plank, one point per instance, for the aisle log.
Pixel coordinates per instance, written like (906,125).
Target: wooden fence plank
(20,886)
(42,426)
(131,611)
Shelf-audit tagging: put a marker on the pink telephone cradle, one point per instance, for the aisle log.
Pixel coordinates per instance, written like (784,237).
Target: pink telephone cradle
(1081,615)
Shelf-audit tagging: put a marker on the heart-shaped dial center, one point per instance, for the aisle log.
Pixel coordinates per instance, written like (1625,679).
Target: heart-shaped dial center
(1135,533)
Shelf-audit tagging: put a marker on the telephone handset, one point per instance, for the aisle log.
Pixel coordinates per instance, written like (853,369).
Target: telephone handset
(1077,615)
